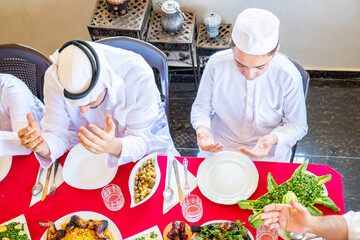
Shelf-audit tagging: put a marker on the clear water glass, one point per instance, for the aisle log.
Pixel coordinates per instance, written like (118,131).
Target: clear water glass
(113,197)
(192,208)
(266,233)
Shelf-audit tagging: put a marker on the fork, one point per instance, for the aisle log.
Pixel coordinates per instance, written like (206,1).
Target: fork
(53,185)
(186,185)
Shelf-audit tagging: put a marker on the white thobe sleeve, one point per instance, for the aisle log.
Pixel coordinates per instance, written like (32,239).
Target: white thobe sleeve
(18,103)
(294,115)
(56,124)
(139,120)
(353,222)
(202,107)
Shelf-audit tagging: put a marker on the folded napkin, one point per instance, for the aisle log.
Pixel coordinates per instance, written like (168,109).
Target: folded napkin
(58,181)
(168,204)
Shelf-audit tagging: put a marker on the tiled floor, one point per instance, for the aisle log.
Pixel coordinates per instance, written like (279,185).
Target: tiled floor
(333,108)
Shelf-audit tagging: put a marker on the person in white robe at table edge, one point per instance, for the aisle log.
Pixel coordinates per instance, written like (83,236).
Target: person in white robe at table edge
(296,218)
(250,97)
(105,98)
(16,100)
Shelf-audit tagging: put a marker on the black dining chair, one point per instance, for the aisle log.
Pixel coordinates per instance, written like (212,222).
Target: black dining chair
(25,63)
(305,80)
(152,55)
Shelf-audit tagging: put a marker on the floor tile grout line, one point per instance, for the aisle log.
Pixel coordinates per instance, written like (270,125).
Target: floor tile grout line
(328,156)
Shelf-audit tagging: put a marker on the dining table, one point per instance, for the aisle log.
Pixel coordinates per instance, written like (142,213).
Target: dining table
(15,197)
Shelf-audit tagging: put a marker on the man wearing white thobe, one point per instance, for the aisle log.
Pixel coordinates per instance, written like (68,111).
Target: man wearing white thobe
(16,100)
(250,98)
(122,114)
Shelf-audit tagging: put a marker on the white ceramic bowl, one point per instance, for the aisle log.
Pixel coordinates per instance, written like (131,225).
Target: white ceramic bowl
(132,179)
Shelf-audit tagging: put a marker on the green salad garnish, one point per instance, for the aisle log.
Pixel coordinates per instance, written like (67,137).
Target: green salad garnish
(13,231)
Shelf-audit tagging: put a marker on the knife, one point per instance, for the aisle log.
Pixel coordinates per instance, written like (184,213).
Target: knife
(176,170)
(46,183)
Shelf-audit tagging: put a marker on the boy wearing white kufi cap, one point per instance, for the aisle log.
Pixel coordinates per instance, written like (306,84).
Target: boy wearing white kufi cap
(106,99)
(250,98)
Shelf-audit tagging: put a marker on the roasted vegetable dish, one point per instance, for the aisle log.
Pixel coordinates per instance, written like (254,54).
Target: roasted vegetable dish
(145,180)
(304,188)
(226,230)
(78,228)
(13,231)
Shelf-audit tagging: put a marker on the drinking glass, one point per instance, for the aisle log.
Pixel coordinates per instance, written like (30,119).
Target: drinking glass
(192,208)
(113,197)
(265,233)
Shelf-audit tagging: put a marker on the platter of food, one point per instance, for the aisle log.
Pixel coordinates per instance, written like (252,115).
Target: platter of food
(81,225)
(16,229)
(303,186)
(144,179)
(86,170)
(177,230)
(149,234)
(5,165)
(221,229)
(226,177)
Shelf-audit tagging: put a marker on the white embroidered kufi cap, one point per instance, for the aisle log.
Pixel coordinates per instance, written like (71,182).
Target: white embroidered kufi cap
(256,31)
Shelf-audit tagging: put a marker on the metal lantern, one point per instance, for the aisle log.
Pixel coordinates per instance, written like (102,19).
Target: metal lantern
(118,6)
(212,22)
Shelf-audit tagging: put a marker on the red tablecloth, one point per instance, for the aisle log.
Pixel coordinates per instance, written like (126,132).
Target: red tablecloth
(15,196)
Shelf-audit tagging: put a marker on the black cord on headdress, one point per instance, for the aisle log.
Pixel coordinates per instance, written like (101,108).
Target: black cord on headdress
(95,66)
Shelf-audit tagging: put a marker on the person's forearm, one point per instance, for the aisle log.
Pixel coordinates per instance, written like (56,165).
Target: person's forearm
(329,227)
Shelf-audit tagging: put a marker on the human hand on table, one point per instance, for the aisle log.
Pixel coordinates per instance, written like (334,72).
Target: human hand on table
(30,137)
(293,218)
(205,140)
(262,147)
(101,141)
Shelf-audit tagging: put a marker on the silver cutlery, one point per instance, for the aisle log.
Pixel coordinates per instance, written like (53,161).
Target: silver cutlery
(44,194)
(53,185)
(168,192)
(186,185)
(176,170)
(296,236)
(38,187)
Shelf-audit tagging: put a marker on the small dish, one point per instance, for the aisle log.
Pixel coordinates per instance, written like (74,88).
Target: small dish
(132,179)
(146,234)
(169,226)
(21,219)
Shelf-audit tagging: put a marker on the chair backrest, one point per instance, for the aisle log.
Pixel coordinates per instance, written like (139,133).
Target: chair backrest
(26,63)
(152,55)
(306,80)
(304,75)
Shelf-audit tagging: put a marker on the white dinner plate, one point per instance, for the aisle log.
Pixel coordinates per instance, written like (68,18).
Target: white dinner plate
(227,177)
(86,170)
(88,216)
(219,222)
(146,233)
(5,165)
(132,179)
(20,219)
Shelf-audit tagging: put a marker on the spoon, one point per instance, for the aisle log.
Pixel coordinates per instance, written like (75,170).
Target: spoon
(168,192)
(37,188)
(296,236)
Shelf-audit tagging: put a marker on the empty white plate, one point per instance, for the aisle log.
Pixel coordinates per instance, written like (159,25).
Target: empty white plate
(86,170)
(5,165)
(227,177)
